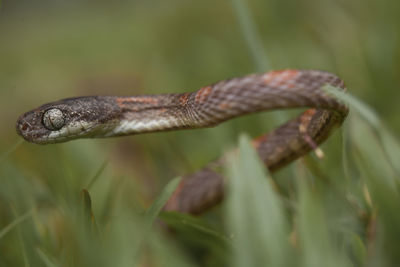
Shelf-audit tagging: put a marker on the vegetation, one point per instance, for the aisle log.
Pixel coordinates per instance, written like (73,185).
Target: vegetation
(97,202)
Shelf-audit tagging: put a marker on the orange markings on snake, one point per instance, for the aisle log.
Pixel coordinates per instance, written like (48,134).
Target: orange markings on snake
(305,119)
(203,93)
(136,99)
(259,140)
(224,105)
(280,76)
(184,98)
(310,112)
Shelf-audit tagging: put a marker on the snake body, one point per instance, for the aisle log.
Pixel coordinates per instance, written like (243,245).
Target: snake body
(106,116)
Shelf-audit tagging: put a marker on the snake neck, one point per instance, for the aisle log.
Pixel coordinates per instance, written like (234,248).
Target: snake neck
(150,113)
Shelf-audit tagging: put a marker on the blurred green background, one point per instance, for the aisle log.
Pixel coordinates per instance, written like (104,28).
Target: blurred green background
(55,49)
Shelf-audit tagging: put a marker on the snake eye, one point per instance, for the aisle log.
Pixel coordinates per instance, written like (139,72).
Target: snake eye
(53,119)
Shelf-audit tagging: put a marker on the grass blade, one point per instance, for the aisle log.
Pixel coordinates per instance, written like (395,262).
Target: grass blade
(161,200)
(152,213)
(366,112)
(254,43)
(199,235)
(97,174)
(376,153)
(383,188)
(255,214)
(317,248)
(389,143)
(14,223)
(88,217)
(181,220)
(250,34)
(21,241)
(46,259)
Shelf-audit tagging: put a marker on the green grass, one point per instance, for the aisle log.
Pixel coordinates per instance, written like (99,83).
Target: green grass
(97,202)
(318,223)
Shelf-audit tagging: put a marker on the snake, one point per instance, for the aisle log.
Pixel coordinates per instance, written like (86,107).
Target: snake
(108,116)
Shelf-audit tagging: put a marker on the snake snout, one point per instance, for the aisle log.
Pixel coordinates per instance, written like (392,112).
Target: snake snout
(22,126)
(28,126)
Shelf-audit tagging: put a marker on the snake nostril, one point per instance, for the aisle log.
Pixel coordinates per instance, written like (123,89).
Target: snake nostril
(24,127)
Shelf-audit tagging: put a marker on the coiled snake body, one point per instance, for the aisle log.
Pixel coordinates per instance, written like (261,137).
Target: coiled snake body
(106,116)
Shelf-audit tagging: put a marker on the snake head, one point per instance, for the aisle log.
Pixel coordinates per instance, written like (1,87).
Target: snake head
(67,119)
